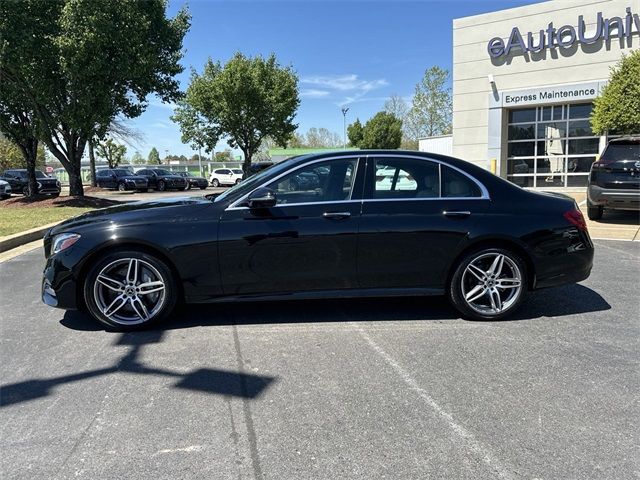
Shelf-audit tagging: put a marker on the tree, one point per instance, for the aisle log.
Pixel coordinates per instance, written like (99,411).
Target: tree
(432,107)
(81,63)
(244,101)
(397,106)
(617,108)
(111,151)
(154,157)
(224,156)
(384,130)
(11,155)
(137,159)
(355,132)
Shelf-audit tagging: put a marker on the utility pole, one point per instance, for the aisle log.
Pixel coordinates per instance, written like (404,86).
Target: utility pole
(344,126)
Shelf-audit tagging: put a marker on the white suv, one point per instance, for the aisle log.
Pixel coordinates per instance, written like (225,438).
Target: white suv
(225,176)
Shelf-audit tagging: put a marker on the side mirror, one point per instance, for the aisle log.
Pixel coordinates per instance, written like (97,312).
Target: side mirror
(262,198)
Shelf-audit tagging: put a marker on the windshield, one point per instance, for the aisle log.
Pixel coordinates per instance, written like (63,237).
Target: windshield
(249,184)
(185,174)
(621,151)
(160,171)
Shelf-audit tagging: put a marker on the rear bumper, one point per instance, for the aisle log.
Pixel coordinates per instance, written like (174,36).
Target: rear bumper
(623,199)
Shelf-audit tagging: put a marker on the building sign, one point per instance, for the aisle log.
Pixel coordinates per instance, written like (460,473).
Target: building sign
(565,36)
(545,95)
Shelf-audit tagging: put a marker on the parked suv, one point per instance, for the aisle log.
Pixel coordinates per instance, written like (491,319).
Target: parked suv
(193,181)
(161,179)
(225,176)
(5,190)
(614,182)
(19,182)
(122,179)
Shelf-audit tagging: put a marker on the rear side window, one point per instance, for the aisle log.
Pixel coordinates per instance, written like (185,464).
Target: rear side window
(405,178)
(457,185)
(621,151)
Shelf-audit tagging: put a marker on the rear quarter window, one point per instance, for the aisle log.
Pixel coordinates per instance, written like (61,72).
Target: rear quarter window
(458,185)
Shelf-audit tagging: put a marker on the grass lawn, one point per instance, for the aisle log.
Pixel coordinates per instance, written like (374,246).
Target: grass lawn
(18,213)
(14,220)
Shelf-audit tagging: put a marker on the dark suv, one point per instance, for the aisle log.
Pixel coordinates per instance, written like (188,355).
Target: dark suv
(19,182)
(122,179)
(614,182)
(161,179)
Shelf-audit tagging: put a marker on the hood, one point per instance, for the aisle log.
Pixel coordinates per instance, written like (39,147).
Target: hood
(128,213)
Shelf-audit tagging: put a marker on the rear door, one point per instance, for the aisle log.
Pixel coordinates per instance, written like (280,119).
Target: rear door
(414,214)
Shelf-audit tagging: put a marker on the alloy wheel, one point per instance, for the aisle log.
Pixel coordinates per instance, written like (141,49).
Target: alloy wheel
(491,283)
(129,291)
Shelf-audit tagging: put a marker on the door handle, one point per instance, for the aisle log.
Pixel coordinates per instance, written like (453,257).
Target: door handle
(456,213)
(336,215)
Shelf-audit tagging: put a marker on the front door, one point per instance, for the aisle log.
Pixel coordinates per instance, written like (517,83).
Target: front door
(306,242)
(414,213)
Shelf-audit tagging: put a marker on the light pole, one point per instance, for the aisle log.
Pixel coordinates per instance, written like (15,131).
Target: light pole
(199,160)
(166,154)
(344,126)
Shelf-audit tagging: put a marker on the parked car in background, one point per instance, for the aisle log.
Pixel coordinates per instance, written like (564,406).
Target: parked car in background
(121,179)
(5,190)
(225,176)
(193,181)
(614,181)
(19,182)
(161,179)
(461,232)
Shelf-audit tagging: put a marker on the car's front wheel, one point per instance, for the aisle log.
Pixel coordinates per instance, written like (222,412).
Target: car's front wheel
(488,284)
(162,186)
(121,187)
(215,183)
(130,290)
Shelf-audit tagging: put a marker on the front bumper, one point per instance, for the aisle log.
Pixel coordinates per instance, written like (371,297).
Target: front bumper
(622,199)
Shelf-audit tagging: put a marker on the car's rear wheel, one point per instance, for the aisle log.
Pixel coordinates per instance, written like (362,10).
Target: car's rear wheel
(121,187)
(215,182)
(594,212)
(188,187)
(162,186)
(130,290)
(488,284)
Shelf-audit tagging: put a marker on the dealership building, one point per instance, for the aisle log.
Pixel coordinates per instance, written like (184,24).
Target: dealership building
(524,80)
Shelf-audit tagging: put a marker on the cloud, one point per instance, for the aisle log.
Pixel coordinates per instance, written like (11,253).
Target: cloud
(345,83)
(313,93)
(156,102)
(160,125)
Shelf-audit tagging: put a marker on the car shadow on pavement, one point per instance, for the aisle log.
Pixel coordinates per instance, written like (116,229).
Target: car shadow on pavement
(553,302)
(208,380)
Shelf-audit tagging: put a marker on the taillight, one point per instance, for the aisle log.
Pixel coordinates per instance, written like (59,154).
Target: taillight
(576,218)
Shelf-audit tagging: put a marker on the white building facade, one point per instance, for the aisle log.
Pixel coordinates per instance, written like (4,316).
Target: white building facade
(524,80)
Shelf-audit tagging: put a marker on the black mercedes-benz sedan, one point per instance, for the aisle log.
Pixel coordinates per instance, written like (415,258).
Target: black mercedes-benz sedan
(193,181)
(373,223)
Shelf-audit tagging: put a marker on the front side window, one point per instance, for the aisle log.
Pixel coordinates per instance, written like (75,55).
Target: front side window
(328,181)
(405,178)
(160,171)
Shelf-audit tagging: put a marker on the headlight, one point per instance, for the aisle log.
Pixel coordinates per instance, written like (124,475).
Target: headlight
(63,241)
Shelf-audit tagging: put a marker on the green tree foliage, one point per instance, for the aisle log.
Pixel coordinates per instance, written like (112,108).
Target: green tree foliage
(154,157)
(397,106)
(617,109)
(244,101)
(431,111)
(224,156)
(111,151)
(11,156)
(355,133)
(81,63)
(138,159)
(384,130)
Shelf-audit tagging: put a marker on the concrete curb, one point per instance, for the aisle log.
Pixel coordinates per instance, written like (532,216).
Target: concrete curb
(17,239)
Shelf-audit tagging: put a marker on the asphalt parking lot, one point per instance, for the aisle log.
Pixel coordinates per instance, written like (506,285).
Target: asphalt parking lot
(385,388)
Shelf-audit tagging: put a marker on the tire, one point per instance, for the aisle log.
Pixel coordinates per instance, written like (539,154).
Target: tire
(117,303)
(594,212)
(188,187)
(161,186)
(121,187)
(484,304)
(238,181)
(215,183)
(203,188)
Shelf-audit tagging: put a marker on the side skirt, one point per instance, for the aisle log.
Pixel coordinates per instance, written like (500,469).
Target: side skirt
(324,294)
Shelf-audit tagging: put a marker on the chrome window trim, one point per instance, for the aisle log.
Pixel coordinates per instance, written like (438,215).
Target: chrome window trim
(234,206)
(484,192)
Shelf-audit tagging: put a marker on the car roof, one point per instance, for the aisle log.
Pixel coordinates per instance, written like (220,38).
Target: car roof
(626,139)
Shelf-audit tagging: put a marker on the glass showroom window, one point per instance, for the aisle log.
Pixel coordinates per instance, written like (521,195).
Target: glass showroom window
(551,146)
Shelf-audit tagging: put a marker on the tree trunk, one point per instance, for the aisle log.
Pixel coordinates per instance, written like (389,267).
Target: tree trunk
(246,164)
(71,159)
(92,164)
